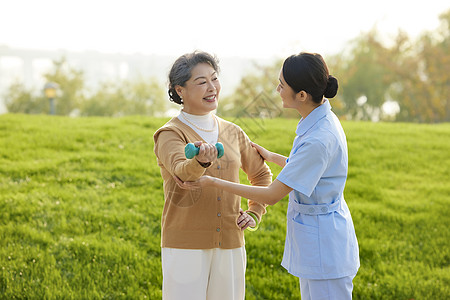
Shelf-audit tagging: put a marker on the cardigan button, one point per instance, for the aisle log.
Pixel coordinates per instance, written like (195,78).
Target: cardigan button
(218,167)
(218,229)
(218,199)
(324,209)
(311,210)
(218,215)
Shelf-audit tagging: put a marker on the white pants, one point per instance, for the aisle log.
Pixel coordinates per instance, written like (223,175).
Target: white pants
(328,289)
(213,274)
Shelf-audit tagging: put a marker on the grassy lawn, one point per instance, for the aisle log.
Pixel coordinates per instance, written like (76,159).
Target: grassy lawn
(81,199)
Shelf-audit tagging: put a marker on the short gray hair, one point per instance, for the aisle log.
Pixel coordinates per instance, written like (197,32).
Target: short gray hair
(182,68)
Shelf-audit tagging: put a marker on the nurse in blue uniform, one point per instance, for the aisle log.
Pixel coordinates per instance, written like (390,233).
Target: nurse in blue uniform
(321,246)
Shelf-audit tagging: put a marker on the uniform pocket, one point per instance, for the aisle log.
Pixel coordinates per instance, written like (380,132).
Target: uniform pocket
(306,242)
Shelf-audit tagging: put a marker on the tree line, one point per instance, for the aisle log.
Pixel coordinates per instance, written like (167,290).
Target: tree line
(407,80)
(111,98)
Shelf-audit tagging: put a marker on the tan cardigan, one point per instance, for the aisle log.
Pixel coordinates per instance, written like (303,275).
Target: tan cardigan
(205,218)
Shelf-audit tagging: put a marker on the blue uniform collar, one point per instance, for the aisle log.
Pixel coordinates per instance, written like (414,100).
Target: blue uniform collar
(318,113)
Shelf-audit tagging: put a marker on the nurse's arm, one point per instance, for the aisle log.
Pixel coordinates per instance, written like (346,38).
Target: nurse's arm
(278,159)
(263,194)
(270,156)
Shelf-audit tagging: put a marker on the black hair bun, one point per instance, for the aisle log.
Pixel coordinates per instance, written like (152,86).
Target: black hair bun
(332,87)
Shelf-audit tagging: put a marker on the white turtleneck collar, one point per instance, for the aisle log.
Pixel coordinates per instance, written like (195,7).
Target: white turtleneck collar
(207,122)
(198,118)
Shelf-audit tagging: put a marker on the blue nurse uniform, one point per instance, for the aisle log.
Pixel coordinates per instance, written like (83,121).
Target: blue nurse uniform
(320,240)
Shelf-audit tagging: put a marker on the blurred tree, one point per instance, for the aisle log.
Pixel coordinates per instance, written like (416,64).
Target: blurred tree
(146,97)
(71,86)
(19,99)
(256,95)
(423,77)
(363,79)
(108,100)
(414,74)
(140,97)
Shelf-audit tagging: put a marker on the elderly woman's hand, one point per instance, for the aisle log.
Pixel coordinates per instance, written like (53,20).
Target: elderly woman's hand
(207,152)
(244,220)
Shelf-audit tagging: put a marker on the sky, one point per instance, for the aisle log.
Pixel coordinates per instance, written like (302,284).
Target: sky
(242,28)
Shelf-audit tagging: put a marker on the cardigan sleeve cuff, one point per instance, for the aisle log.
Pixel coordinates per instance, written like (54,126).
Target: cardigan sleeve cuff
(258,211)
(192,170)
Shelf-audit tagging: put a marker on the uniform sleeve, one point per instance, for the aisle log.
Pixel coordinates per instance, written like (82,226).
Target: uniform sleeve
(258,173)
(305,167)
(169,149)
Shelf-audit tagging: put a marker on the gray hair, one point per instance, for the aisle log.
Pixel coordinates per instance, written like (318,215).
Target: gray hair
(182,68)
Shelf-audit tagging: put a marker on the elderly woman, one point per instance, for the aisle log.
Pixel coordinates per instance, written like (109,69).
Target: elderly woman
(202,237)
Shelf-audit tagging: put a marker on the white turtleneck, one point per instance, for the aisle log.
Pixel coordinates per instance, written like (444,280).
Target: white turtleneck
(207,121)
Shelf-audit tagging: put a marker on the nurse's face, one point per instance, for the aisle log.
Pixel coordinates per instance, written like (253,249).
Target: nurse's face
(287,94)
(200,93)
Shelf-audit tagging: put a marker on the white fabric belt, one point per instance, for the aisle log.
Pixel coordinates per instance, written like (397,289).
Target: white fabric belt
(315,209)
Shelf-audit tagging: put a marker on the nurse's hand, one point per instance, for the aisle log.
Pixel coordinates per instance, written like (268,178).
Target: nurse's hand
(265,154)
(244,220)
(205,180)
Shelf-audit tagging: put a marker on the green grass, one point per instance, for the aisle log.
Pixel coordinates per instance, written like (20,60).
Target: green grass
(81,199)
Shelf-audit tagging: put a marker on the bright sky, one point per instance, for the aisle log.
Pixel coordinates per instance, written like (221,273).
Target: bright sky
(248,28)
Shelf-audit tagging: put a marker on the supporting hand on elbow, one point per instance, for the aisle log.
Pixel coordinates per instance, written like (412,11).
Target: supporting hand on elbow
(205,180)
(265,154)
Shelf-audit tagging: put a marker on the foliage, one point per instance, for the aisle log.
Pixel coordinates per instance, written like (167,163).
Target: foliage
(107,101)
(147,97)
(425,91)
(362,77)
(71,86)
(118,98)
(81,200)
(253,86)
(413,74)
(20,99)
(126,98)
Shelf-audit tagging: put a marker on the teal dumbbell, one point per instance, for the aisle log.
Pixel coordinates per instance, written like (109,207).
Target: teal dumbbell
(191,150)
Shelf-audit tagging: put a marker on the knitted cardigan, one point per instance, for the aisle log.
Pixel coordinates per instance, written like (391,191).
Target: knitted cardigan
(205,218)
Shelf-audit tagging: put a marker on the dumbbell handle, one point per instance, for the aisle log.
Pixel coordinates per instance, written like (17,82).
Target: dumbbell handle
(191,150)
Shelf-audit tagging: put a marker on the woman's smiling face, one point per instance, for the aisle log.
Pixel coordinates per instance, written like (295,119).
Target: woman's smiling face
(200,94)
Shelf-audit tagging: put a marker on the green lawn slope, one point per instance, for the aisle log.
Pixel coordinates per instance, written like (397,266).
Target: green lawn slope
(81,199)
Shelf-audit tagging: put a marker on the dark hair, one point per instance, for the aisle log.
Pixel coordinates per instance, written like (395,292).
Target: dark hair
(308,72)
(182,68)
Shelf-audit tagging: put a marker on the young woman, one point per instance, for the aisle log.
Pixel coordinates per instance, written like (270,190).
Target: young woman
(202,239)
(321,246)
